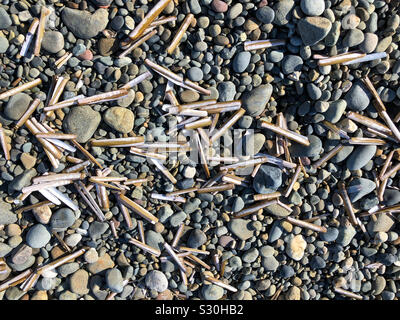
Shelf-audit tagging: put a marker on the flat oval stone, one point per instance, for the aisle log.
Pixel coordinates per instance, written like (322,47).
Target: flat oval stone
(241,61)
(360,157)
(255,101)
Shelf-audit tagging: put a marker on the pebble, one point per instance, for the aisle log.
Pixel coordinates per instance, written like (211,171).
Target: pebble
(196,238)
(335,110)
(270,263)
(156,280)
(255,101)
(370,42)
(83,24)
(195,74)
(4,44)
(291,63)
(42,214)
(4,249)
(330,235)
(78,282)
(360,187)
(83,122)
(313,29)
(38,236)
(353,38)
(107,46)
(265,14)
(312,7)
(97,228)
(357,97)
(154,239)
(62,219)
(212,292)
(22,254)
(378,285)
(253,143)
(294,293)
(73,239)
(296,247)
(66,269)
(383,223)
(391,197)
(219,6)
(27,160)
(53,41)
(250,255)
(104,262)
(23,180)
(91,256)
(346,234)
(277,210)
(235,11)
(119,119)
(241,61)
(241,228)
(317,262)
(7,216)
(312,150)
(17,106)
(114,280)
(360,157)
(227,91)
(5,20)
(283,12)
(268,179)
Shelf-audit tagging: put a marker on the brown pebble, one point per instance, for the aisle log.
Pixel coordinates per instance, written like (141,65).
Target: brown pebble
(42,214)
(219,6)
(165,295)
(28,161)
(22,254)
(39,295)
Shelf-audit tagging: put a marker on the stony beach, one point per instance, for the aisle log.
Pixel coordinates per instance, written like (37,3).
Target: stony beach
(122,177)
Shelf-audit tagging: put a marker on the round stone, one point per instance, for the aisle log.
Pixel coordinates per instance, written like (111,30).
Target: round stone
(114,280)
(241,61)
(120,119)
(196,238)
(195,74)
(53,41)
(38,236)
(312,7)
(17,105)
(156,280)
(212,292)
(265,14)
(62,219)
